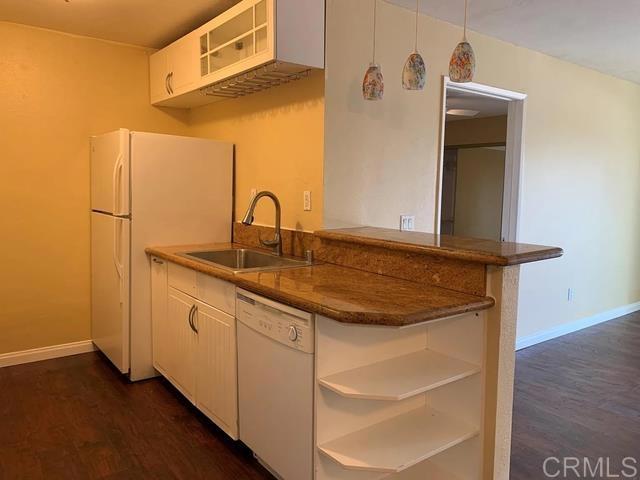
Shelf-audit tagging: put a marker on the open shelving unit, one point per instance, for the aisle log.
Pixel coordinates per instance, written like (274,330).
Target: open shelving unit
(400,404)
(399,377)
(414,436)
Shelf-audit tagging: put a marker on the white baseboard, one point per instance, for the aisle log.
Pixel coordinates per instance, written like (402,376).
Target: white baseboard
(46,353)
(576,325)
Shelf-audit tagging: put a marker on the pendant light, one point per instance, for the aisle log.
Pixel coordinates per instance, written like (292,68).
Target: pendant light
(373,82)
(462,65)
(414,73)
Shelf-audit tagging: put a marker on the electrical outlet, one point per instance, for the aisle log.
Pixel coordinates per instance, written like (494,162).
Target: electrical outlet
(407,222)
(570,294)
(307,200)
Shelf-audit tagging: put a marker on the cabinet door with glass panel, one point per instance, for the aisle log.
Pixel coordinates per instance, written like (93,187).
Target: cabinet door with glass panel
(238,40)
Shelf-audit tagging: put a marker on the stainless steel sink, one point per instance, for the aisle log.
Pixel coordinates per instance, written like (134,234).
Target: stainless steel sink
(244,260)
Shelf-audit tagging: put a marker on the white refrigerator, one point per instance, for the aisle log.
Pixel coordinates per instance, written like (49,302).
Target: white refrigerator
(148,189)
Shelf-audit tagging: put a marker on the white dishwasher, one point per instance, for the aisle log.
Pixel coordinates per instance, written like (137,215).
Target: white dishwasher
(275,384)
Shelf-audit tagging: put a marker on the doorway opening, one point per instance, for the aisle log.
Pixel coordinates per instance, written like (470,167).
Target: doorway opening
(480,162)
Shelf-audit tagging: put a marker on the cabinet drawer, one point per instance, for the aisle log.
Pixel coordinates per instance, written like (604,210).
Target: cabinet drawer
(183,279)
(217,293)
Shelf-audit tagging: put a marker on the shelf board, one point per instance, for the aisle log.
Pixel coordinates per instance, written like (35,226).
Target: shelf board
(400,377)
(400,442)
(426,470)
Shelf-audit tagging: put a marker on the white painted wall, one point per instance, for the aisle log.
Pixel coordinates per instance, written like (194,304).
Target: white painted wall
(581,176)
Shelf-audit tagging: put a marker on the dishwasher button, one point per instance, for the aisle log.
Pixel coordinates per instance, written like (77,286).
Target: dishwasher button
(293,333)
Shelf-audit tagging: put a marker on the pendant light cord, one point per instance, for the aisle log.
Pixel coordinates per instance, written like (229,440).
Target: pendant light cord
(375,4)
(415,48)
(464,35)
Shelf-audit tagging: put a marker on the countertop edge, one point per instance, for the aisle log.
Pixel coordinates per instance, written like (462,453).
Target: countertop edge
(477,256)
(360,318)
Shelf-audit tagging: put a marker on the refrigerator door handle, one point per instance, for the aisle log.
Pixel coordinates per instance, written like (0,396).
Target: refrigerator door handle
(117,234)
(117,184)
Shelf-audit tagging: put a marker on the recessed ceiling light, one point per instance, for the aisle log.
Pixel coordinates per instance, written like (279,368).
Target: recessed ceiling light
(460,112)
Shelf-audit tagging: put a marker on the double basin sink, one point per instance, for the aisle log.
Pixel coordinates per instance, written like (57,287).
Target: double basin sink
(238,260)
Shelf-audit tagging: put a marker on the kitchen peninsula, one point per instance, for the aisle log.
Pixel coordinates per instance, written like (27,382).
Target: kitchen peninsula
(414,345)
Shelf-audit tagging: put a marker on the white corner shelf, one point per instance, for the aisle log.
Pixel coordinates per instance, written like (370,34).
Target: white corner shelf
(426,471)
(400,442)
(400,377)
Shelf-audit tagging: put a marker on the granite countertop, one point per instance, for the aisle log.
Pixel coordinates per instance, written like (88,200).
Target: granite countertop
(488,252)
(344,294)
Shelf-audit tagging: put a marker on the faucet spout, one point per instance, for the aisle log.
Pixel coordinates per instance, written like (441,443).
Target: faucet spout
(276,242)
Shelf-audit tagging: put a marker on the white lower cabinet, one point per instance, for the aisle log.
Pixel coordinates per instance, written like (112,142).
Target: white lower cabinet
(216,373)
(194,343)
(161,346)
(182,343)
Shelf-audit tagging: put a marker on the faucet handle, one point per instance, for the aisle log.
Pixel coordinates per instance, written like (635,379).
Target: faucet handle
(275,243)
(269,243)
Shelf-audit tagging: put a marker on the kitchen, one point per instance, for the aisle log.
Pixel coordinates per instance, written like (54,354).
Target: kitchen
(340,306)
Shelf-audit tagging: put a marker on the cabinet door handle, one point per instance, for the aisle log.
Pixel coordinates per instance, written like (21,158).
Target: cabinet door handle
(193,307)
(194,319)
(170,83)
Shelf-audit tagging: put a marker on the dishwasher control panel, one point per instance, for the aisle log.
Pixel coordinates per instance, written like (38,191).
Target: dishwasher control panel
(279,322)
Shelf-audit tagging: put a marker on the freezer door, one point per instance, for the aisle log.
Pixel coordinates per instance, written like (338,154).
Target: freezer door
(110,253)
(110,173)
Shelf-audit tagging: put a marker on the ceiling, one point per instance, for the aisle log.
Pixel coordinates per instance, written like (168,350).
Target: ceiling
(487,106)
(602,35)
(599,34)
(148,23)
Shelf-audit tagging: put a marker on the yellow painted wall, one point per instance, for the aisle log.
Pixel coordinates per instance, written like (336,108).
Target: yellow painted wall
(278,134)
(55,91)
(581,173)
(476,131)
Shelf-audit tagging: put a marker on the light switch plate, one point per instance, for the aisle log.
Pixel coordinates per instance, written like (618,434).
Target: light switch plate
(407,223)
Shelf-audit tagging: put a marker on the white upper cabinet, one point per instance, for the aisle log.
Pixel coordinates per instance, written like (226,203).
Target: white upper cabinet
(173,70)
(159,77)
(257,44)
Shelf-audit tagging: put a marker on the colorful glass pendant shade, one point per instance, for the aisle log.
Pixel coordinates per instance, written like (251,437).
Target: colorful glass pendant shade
(462,65)
(414,73)
(373,82)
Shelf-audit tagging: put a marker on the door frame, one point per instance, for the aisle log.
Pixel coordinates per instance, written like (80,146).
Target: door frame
(514,151)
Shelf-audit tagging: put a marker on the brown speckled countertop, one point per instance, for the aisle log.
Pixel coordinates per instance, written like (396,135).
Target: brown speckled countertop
(488,252)
(344,294)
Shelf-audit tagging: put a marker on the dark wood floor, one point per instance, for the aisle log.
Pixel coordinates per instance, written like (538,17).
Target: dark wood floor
(578,396)
(77,418)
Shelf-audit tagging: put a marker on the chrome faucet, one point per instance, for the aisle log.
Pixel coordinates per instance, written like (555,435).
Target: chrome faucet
(276,243)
